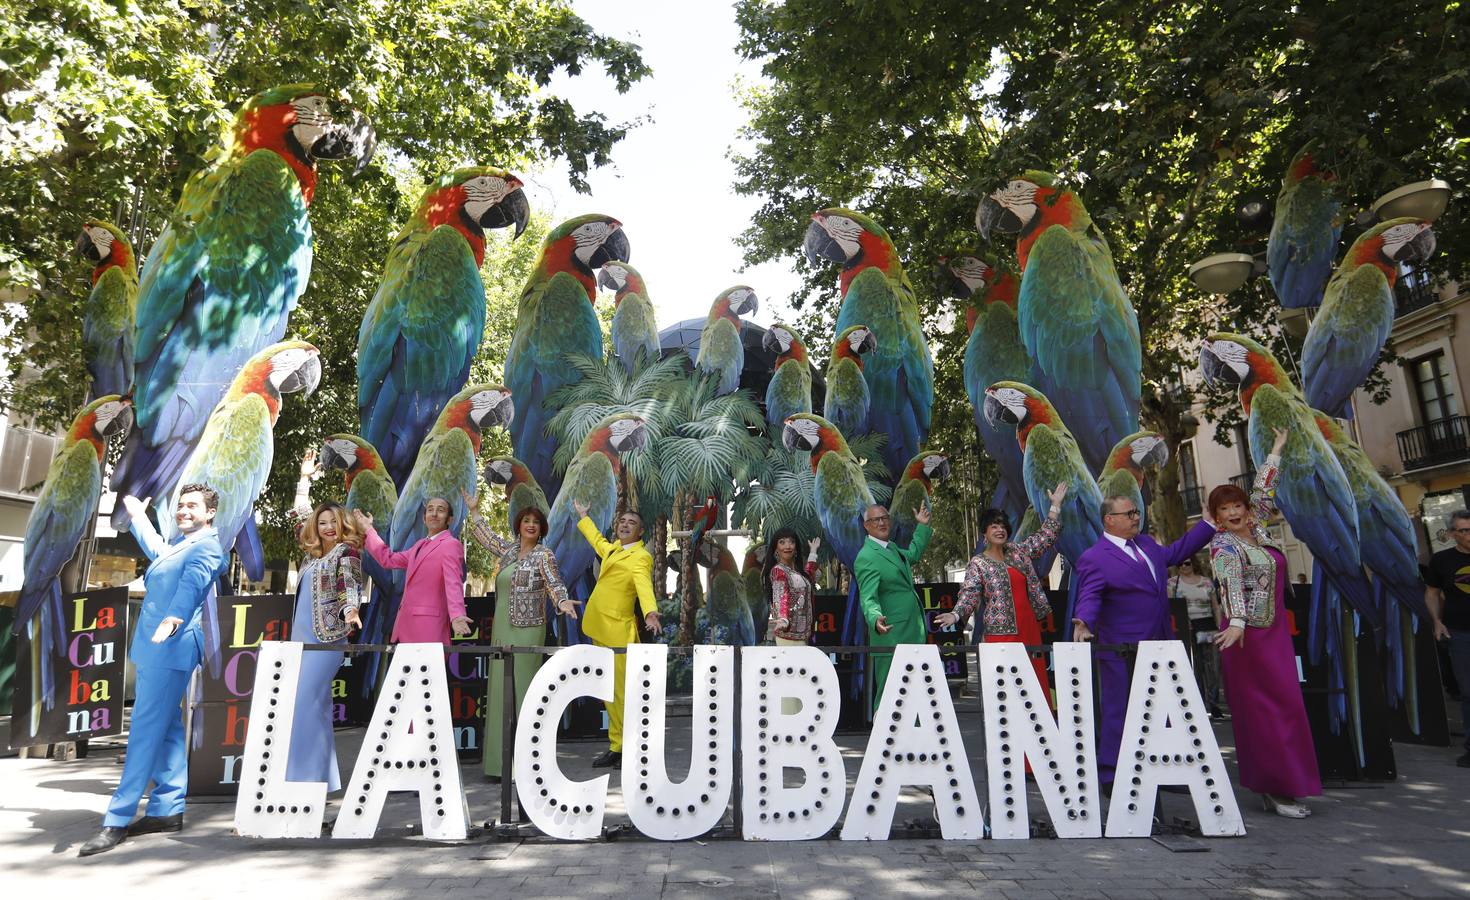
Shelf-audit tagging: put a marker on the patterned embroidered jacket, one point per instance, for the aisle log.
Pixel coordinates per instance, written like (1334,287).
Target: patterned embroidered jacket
(987,578)
(336,587)
(791,599)
(535,581)
(1246,575)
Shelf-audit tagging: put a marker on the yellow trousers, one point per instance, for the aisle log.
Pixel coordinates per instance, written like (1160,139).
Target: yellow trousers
(615,707)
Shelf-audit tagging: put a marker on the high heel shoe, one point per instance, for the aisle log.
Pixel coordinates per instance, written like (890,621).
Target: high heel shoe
(1292,810)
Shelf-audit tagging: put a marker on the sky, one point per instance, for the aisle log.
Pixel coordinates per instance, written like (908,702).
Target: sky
(670,182)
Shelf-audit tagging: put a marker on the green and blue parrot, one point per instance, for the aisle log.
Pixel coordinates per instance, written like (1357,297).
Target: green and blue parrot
(634,325)
(1075,320)
(521,489)
(1348,333)
(107,316)
(556,319)
(841,496)
(721,353)
(915,487)
(1050,456)
(994,352)
(1312,491)
(591,479)
(848,398)
(423,327)
(876,293)
(226,272)
(1304,232)
(731,622)
(1123,474)
(790,389)
(371,489)
(60,520)
(234,456)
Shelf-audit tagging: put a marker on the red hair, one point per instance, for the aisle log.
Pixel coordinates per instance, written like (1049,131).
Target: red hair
(1226,493)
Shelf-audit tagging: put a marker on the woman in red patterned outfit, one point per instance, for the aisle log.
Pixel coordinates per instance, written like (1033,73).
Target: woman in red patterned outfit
(1002,576)
(789,594)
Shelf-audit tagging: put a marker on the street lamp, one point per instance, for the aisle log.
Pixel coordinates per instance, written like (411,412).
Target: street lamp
(1223,272)
(1421,200)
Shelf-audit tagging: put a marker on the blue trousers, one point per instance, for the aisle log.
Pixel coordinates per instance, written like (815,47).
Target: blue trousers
(156,749)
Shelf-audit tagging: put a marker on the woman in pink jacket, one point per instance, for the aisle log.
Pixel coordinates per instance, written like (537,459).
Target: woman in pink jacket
(433,592)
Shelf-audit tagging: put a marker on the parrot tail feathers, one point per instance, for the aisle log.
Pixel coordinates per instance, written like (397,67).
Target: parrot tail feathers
(252,554)
(209,622)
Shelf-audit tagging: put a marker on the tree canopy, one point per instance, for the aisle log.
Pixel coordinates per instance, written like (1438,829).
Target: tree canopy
(1164,118)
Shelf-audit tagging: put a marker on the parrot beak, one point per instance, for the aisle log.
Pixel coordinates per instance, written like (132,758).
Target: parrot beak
(306,377)
(941,471)
(121,424)
(87,248)
(614,248)
(770,343)
(819,246)
(997,413)
(748,305)
(351,137)
(793,439)
(1419,249)
(500,415)
(515,210)
(1157,455)
(991,216)
(636,439)
(950,284)
(1213,367)
(868,344)
(607,280)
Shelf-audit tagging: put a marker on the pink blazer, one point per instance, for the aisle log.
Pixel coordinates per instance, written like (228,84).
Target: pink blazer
(433,592)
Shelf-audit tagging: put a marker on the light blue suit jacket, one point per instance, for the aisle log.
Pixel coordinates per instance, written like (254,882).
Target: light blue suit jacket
(176,584)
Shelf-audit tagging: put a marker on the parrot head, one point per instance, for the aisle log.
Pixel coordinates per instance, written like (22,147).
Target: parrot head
(1236,359)
(963,277)
(302,125)
(500,470)
(349,452)
(1304,165)
(102,420)
(734,302)
(1139,451)
(492,407)
(104,245)
(848,238)
(812,433)
(1019,205)
(622,279)
(853,343)
(1331,431)
(1020,405)
(617,434)
(785,343)
(1390,244)
(929,466)
(474,199)
(287,367)
(588,242)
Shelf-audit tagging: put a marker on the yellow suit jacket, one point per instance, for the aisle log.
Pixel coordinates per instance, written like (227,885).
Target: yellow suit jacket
(627,575)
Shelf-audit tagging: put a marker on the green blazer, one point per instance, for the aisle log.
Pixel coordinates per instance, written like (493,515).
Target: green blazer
(885,578)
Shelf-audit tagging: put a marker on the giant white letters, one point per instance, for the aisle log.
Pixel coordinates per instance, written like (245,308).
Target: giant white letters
(557,805)
(269,806)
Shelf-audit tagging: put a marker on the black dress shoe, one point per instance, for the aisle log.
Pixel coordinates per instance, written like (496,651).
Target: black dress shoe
(157,825)
(608,759)
(105,840)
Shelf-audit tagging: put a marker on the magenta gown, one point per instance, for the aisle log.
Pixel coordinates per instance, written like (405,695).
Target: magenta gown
(1273,741)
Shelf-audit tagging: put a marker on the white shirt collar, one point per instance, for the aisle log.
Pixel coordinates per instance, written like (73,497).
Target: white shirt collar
(883,544)
(1120,543)
(632,545)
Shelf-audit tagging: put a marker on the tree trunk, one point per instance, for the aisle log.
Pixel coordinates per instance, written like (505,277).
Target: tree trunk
(661,558)
(686,573)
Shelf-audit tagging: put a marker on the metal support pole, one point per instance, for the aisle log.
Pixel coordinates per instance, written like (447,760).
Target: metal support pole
(507,729)
(737,764)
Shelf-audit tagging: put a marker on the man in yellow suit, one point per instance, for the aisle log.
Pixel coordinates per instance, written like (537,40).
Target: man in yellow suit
(626,581)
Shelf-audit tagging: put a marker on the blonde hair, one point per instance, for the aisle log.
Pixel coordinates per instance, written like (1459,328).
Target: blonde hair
(347,532)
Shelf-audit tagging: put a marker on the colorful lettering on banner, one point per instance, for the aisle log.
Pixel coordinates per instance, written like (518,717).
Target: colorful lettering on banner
(409,746)
(789,702)
(85,674)
(1167,739)
(915,740)
(1019,728)
(658,807)
(560,807)
(775,740)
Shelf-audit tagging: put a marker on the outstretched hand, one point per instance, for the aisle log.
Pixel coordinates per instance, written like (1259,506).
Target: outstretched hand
(580,507)
(922,514)
(363,519)
(1281,436)
(308,464)
(813,545)
(1058,495)
(134,506)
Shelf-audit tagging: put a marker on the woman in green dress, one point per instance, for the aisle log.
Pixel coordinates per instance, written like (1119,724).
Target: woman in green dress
(525,579)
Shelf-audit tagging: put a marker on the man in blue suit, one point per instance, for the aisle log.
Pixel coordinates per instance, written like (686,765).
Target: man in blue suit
(167,646)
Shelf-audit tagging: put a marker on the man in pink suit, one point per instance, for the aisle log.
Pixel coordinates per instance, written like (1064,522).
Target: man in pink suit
(433,591)
(1121,599)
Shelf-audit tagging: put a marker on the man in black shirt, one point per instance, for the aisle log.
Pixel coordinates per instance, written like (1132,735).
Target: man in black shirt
(1448,596)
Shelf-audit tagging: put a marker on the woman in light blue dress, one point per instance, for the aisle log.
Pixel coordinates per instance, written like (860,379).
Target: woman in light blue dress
(327,597)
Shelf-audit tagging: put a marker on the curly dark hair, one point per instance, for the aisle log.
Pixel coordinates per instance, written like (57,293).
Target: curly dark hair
(995,516)
(535,513)
(211,496)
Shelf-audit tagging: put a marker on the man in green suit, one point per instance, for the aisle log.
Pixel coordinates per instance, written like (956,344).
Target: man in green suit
(885,580)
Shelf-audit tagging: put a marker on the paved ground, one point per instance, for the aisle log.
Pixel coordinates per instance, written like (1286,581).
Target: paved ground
(1408,838)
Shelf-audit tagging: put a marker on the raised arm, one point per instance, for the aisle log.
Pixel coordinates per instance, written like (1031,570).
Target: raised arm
(151,542)
(378,550)
(1034,545)
(1263,492)
(600,545)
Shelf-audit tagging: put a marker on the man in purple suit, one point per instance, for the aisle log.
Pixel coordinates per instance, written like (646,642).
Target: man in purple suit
(1121,599)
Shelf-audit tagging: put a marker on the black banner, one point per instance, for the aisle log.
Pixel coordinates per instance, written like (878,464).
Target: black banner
(468,676)
(939,597)
(220,715)
(86,680)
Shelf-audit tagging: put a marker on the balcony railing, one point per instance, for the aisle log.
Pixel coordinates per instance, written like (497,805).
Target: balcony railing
(1193,498)
(1245,480)
(1412,291)
(1442,441)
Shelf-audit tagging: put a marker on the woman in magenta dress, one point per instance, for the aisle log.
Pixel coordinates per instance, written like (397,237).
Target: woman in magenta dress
(1273,741)
(1002,578)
